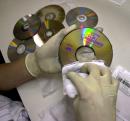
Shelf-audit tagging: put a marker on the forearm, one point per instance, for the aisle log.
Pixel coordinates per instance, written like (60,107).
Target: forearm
(13,74)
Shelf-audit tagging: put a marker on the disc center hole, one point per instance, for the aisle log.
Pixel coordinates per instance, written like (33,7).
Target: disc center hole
(50,16)
(49,33)
(81,18)
(21,49)
(26,26)
(85,54)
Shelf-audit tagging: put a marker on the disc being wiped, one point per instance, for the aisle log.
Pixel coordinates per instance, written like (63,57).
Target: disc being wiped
(27,27)
(85,45)
(18,48)
(51,12)
(82,17)
(49,29)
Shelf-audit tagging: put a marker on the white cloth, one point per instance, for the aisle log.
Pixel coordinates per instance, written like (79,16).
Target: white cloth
(12,110)
(69,88)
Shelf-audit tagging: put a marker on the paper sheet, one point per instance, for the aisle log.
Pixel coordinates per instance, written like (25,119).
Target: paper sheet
(123,98)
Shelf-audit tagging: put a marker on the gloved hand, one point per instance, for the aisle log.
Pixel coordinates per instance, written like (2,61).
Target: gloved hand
(97,94)
(45,58)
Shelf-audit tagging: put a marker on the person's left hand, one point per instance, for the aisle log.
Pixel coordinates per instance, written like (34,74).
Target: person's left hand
(45,58)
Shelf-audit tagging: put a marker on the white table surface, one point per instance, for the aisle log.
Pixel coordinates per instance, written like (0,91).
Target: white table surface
(114,19)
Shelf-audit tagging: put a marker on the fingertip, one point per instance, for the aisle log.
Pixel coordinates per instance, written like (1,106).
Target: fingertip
(105,71)
(71,74)
(84,68)
(115,82)
(69,29)
(74,26)
(91,69)
(59,68)
(76,79)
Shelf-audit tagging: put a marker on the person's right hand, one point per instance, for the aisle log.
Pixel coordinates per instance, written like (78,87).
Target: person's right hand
(97,94)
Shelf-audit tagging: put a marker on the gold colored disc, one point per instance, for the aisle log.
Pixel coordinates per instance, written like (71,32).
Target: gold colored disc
(94,43)
(49,28)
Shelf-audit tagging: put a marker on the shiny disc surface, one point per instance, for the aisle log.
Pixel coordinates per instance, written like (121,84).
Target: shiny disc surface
(18,48)
(82,17)
(27,27)
(51,12)
(49,29)
(93,42)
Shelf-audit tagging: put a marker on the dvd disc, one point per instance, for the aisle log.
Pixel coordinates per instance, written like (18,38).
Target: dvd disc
(18,48)
(27,27)
(82,17)
(49,28)
(51,12)
(85,44)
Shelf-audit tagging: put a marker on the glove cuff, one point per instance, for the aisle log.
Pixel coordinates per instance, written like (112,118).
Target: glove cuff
(31,65)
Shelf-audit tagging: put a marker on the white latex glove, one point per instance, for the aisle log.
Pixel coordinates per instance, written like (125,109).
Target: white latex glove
(45,58)
(97,94)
